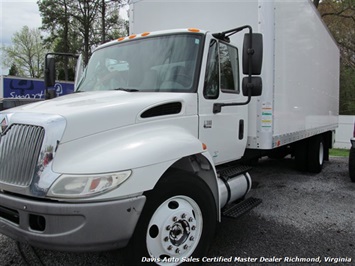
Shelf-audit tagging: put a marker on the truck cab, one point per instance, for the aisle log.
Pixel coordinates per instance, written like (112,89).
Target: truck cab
(191,64)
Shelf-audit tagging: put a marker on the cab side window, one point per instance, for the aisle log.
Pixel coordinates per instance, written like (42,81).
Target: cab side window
(211,89)
(222,72)
(229,68)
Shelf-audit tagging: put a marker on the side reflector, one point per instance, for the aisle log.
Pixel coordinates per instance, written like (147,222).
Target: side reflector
(204,146)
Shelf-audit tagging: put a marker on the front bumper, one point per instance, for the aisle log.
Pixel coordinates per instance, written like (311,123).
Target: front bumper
(70,226)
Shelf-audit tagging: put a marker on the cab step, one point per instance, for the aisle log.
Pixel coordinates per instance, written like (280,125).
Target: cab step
(235,210)
(232,171)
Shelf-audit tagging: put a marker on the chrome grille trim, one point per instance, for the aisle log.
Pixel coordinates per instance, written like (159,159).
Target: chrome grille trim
(20,147)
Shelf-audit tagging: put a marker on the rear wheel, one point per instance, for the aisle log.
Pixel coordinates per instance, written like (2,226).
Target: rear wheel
(310,154)
(301,155)
(178,221)
(316,153)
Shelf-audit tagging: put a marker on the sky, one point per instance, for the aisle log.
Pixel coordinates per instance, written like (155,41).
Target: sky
(14,14)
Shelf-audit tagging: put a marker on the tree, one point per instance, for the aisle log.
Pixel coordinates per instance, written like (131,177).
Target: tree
(111,24)
(339,16)
(26,53)
(57,20)
(77,26)
(13,70)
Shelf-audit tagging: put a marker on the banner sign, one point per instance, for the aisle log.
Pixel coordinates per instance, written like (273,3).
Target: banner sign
(19,88)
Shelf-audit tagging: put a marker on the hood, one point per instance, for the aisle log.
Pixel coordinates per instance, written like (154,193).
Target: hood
(87,113)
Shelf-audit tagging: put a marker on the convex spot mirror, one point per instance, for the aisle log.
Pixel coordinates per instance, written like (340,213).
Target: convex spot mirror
(254,87)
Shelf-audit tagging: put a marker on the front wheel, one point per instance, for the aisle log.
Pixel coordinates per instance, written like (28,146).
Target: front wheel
(177,223)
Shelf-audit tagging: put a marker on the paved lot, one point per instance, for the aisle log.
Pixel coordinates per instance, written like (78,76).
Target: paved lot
(303,217)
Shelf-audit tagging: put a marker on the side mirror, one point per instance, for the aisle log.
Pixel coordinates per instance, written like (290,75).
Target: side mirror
(49,72)
(252,63)
(79,70)
(254,87)
(252,54)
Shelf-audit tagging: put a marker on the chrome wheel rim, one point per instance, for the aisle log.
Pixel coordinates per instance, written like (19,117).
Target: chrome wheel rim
(174,230)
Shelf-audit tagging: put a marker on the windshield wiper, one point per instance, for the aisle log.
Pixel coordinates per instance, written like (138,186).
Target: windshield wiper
(126,89)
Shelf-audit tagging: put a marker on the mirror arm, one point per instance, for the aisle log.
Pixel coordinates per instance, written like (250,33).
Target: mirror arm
(217,107)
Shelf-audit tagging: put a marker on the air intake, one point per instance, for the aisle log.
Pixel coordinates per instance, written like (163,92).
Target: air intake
(164,109)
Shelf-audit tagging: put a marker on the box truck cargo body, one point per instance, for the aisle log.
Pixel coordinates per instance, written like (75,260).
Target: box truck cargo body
(300,64)
(147,152)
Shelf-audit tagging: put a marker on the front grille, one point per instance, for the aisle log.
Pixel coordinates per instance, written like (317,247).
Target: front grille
(19,152)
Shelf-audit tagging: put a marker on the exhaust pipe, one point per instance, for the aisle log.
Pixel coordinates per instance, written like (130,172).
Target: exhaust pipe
(233,188)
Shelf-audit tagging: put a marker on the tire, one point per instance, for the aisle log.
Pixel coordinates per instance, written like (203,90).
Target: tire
(301,155)
(352,164)
(316,152)
(178,222)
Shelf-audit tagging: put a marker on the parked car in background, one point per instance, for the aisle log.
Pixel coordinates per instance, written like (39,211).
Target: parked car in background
(352,157)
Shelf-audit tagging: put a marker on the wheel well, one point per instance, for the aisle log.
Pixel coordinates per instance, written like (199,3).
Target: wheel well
(200,167)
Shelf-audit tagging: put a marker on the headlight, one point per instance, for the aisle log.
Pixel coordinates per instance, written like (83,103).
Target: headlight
(80,186)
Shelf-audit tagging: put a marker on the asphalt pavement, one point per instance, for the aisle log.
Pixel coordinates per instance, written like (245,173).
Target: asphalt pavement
(305,219)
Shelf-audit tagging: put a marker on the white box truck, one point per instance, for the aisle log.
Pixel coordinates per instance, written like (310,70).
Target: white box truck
(147,152)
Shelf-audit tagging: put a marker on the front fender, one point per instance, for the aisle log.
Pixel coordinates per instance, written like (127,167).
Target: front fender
(133,147)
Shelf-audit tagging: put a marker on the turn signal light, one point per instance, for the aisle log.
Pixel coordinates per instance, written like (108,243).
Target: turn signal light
(204,146)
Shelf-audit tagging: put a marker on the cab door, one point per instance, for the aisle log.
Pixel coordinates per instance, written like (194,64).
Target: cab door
(224,132)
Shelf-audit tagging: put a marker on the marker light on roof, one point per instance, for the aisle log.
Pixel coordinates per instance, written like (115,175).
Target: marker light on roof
(193,30)
(132,36)
(145,34)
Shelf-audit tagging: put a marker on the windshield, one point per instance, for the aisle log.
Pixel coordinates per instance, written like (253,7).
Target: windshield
(156,64)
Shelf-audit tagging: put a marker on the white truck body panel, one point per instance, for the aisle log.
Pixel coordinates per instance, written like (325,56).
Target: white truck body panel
(300,66)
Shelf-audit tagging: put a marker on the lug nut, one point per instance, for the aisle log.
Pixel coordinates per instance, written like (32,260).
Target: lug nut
(166,239)
(174,219)
(193,228)
(170,247)
(186,247)
(191,238)
(183,216)
(191,219)
(177,251)
(168,228)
